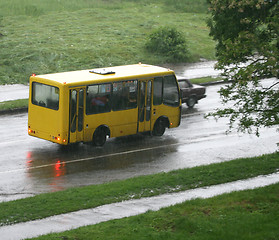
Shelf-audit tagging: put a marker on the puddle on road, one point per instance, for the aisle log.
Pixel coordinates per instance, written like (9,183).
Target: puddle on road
(129,208)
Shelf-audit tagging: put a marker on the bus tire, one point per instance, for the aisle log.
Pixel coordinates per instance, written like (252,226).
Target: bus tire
(159,127)
(99,137)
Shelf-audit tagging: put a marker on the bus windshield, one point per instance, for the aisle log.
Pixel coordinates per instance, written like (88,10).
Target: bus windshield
(45,95)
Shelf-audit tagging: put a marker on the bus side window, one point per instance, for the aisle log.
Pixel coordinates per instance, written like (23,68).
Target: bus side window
(98,99)
(132,89)
(124,95)
(158,91)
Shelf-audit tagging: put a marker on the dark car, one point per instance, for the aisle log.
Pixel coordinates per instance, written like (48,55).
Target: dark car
(190,93)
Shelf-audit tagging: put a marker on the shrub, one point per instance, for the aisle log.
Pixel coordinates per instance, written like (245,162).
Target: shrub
(169,42)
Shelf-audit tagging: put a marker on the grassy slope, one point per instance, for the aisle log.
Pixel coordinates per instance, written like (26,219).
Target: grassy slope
(53,36)
(15,104)
(248,215)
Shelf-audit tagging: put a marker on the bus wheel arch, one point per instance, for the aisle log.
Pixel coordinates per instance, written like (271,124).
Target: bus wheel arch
(160,126)
(100,135)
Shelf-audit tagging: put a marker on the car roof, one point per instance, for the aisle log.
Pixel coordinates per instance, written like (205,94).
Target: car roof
(179,78)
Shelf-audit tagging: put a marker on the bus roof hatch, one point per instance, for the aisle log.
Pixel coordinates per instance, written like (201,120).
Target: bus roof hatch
(102,71)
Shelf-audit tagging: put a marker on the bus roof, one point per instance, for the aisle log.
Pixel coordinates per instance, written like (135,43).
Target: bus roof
(135,71)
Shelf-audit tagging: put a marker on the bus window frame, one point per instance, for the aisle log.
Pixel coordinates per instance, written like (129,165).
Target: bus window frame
(158,101)
(112,99)
(45,105)
(124,96)
(174,103)
(109,99)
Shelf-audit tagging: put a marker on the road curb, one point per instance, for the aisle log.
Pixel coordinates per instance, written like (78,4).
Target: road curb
(214,83)
(14,111)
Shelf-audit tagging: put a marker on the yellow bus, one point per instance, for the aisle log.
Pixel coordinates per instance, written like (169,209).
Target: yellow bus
(93,105)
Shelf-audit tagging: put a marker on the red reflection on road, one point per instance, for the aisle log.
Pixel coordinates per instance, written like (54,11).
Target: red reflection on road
(50,172)
(29,159)
(60,169)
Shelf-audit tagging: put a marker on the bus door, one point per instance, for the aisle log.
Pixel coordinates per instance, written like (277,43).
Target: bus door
(76,120)
(144,114)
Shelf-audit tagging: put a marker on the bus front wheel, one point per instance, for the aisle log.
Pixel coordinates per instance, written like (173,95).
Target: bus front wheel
(159,128)
(99,137)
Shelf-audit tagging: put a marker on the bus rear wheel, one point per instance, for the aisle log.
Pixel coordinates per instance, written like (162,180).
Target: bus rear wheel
(99,137)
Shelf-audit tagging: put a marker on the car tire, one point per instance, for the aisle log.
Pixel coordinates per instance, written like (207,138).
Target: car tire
(191,102)
(99,137)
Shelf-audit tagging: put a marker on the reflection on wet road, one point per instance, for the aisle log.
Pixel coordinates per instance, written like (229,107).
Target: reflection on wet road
(82,163)
(30,166)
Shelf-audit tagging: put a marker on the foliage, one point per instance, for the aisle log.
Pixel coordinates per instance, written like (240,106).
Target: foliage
(247,34)
(170,42)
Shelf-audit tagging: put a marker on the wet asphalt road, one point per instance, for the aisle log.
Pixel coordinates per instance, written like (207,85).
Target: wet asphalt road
(30,166)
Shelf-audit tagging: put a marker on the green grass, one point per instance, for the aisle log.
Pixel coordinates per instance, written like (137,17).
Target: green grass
(205,80)
(14,104)
(54,36)
(40,8)
(245,215)
(74,199)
